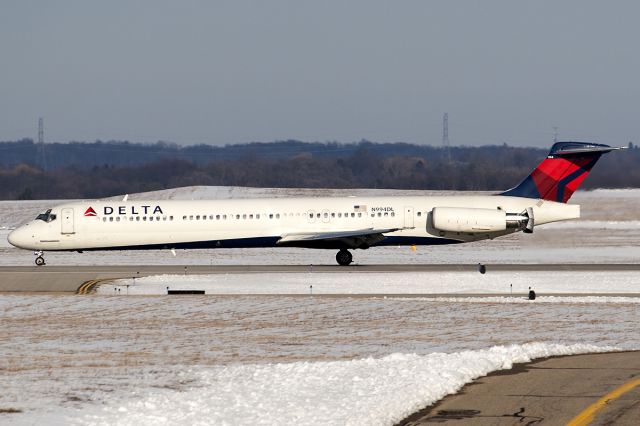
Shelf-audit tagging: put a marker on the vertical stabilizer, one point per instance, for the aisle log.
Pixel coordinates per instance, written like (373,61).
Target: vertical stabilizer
(560,174)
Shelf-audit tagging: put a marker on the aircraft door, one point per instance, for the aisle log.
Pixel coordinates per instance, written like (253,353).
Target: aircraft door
(67,221)
(408,217)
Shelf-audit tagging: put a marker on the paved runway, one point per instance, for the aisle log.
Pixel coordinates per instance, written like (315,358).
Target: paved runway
(70,278)
(573,390)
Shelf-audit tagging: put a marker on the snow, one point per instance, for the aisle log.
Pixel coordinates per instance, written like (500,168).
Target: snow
(626,225)
(387,283)
(275,359)
(573,300)
(365,391)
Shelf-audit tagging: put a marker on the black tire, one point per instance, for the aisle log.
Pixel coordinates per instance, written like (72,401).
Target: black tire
(39,261)
(344,258)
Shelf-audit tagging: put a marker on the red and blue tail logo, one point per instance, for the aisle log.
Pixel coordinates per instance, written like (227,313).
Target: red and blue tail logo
(560,174)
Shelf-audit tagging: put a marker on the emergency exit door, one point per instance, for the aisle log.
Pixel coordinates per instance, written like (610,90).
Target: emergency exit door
(67,221)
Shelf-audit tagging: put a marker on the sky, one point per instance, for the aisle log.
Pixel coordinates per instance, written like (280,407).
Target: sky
(224,72)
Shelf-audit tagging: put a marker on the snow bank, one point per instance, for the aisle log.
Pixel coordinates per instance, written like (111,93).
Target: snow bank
(365,391)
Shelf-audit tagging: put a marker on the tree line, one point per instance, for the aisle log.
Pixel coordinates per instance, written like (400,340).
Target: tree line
(361,165)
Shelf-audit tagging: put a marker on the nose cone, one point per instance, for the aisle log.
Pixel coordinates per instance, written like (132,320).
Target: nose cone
(19,238)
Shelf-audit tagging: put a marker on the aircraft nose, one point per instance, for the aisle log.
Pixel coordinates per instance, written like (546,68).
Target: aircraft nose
(19,237)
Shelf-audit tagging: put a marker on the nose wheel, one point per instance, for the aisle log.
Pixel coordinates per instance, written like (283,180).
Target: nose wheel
(344,257)
(39,258)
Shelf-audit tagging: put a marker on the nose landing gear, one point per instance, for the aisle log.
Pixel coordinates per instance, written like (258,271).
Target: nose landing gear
(39,258)
(344,257)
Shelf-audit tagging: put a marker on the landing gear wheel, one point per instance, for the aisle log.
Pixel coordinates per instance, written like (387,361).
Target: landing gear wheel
(40,261)
(344,257)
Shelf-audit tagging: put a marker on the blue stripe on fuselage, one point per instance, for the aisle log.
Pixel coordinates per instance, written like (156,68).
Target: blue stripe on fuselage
(271,242)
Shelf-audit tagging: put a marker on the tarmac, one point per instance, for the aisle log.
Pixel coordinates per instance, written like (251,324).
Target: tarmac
(70,279)
(595,389)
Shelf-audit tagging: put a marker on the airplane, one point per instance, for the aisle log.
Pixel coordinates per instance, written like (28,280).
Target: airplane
(338,223)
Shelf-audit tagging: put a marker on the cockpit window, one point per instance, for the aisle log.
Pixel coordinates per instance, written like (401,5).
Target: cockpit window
(46,216)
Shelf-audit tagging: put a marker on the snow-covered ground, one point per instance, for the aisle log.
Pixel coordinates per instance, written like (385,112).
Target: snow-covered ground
(144,360)
(386,283)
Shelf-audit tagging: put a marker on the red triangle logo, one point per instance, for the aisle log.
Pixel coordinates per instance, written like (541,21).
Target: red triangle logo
(90,212)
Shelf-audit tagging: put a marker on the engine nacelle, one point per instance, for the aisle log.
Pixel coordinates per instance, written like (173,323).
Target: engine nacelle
(459,219)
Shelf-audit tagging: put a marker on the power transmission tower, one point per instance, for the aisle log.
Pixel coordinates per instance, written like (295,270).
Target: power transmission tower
(445,136)
(42,157)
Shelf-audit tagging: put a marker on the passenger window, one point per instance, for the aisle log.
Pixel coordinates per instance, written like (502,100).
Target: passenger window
(217,217)
(333,215)
(144,218)
(257,216)
(359,214)
(419,214)
(170,217)
(190,217)
(138,218)
(392,214)
(184,218)
(339,214)
(211,217)
(326,215)
(118,219)
(111,219)
(104,219)
(379,214)
(198,217)
(277,215)
(353,215)
(224,217)
(250,216)
(131,219)
(271,216)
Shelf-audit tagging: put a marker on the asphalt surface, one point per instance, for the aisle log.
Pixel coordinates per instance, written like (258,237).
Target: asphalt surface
(596,389)
(70,278)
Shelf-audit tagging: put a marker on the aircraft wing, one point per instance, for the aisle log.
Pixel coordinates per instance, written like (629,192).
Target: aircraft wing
(353,239)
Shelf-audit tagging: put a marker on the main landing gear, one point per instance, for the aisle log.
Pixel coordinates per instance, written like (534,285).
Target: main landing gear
(39,258)
(344,257)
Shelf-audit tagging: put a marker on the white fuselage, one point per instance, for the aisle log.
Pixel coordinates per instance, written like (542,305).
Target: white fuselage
(104,225)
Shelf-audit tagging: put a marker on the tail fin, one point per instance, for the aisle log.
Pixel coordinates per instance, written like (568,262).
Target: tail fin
(560,174)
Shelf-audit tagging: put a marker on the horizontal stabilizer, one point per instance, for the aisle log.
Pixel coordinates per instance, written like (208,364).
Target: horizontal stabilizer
(570,148)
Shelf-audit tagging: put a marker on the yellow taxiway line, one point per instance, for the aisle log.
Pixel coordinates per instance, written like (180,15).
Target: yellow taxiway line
(586,416)
(86,287)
